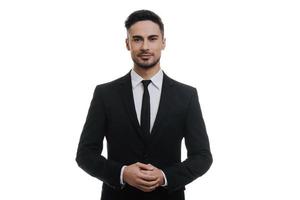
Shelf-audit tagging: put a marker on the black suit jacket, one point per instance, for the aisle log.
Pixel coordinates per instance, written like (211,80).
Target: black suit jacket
(112,115)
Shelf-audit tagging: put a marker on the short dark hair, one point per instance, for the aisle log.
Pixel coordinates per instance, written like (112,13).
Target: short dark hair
(141,15)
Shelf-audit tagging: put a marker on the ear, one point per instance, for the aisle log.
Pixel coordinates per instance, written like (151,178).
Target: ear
(164,43)
(127,44)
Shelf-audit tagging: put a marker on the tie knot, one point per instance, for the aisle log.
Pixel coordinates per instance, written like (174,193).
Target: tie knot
(146,83)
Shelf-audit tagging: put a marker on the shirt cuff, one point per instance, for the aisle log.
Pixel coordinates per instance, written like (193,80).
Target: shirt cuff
(166,182)
(121,175)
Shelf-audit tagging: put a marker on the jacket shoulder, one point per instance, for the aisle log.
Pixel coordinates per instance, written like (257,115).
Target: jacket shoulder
(182,87)
(112,84)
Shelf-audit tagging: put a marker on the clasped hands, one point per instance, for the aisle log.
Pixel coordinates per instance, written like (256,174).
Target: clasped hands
(144,177)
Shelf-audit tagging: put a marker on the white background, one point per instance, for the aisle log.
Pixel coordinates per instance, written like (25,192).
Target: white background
(242,56)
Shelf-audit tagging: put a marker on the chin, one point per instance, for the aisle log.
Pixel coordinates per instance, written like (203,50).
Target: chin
(144,65)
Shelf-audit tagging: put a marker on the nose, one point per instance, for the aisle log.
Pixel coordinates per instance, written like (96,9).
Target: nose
(145,45)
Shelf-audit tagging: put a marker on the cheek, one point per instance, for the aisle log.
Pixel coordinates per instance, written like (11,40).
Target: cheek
(134,48)
(134,54)
(158,48)
(157,51)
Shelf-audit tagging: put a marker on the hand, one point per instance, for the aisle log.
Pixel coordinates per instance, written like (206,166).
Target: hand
(141,176)
(155,172)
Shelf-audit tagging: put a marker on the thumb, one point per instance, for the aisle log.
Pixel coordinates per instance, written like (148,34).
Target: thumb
(144,166)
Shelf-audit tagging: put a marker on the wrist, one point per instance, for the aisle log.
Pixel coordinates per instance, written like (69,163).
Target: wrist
(162,178)
(165,182)
(125,173)
(122,175)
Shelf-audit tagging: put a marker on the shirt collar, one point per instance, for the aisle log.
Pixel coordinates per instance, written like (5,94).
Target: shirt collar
(157,79)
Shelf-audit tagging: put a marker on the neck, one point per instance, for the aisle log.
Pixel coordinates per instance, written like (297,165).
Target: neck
(146,73)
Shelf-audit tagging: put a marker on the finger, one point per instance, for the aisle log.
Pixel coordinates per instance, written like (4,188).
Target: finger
(144,183)
(147,177)
(154,172)
(151,165)
(146,172)
(144,166)
(147,189)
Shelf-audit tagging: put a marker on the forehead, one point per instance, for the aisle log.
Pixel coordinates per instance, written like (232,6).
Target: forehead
(144,28)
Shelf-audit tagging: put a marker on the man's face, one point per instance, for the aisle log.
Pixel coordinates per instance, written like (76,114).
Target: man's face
(145,42)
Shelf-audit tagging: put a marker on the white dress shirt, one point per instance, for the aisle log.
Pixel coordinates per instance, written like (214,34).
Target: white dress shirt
(154,89)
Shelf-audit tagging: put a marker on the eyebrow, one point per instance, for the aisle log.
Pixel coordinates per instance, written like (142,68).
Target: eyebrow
(139,36)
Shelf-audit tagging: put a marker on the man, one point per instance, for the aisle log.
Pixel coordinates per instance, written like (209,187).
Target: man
(144,117)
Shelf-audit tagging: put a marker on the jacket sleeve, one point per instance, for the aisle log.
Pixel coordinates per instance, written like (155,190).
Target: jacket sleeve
(90,146)
(199,158)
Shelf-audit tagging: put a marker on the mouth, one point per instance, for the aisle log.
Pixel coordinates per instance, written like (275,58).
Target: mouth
(144,56)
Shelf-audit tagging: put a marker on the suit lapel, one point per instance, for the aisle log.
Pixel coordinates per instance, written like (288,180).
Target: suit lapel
(127,97)
(163,105)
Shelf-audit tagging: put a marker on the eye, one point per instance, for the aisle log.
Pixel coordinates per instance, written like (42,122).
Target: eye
(153,38)
(137,39)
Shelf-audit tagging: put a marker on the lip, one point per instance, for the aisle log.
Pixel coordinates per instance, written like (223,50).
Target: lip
(145,55)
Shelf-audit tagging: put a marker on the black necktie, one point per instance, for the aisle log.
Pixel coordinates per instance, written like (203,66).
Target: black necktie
(145,112)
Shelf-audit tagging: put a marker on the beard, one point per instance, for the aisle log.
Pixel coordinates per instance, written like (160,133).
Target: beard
(145,65)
